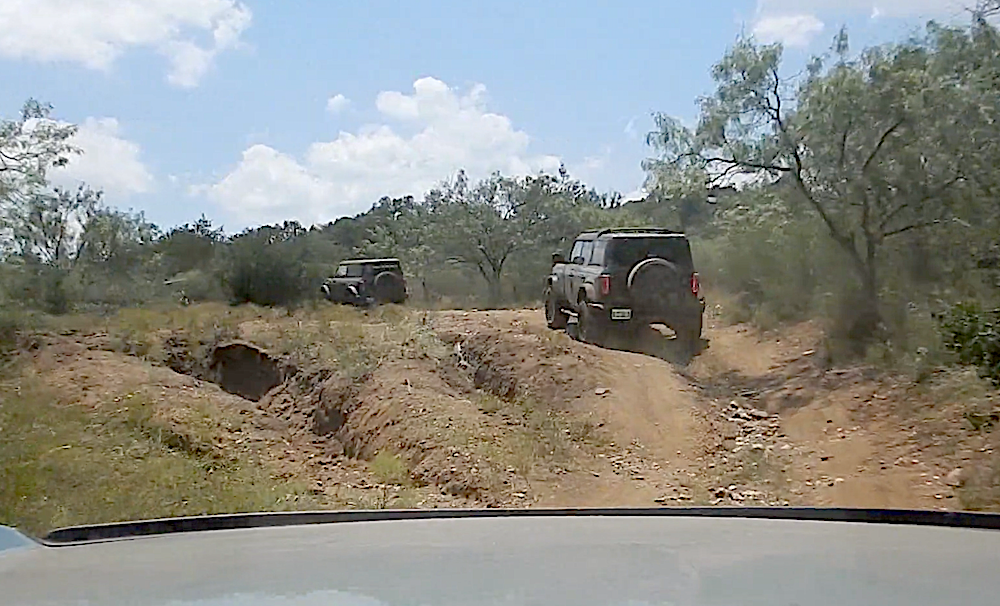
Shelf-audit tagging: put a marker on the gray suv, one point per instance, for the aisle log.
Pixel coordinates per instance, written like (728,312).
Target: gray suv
(622,280)
(366,282)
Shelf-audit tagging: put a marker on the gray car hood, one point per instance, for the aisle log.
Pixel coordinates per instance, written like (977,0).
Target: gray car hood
(572,561)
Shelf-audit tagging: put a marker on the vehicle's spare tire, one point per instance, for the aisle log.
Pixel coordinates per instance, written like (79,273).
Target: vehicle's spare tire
(655,284)
(389,288)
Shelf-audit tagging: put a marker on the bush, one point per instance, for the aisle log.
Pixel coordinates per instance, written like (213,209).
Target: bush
(974,335)
(10,326)
(779,265)
(198,285)
(260,271)
(43,287)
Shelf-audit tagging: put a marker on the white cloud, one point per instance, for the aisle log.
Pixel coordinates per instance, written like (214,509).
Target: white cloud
(798,22)
(635,195)
(108,161)
(94,33)
(886,8)
(443,130)
(790,30)
(337,103)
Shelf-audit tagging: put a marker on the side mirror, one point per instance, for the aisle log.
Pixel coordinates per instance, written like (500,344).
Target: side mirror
(577,260)
(558,258)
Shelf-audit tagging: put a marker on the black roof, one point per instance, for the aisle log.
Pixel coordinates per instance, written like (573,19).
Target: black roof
(633,232)
(367,261)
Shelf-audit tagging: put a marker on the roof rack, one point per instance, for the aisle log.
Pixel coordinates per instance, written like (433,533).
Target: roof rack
(362,261)
(639,230)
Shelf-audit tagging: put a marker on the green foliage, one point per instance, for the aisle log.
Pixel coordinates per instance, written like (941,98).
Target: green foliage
(63,465)
(390,469)
(13,325)
(974,335)
(266,266)
(859,142)
(781,266)
(503,221)
(30,147)
(190,247)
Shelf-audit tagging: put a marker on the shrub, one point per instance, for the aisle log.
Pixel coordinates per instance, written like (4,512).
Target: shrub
(974,335)
(780,266)
(264,272)
(10,326)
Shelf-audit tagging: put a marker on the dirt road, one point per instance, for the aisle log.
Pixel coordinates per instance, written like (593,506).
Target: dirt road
(753,419)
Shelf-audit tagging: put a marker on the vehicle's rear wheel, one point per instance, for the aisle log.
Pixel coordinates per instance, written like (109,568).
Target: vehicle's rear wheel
(389,288)
(555,317)
(593,326)
(689,336)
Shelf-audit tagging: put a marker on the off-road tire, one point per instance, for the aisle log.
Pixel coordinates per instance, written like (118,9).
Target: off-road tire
(593,327)
(389,288)
(555,317)
(689,337)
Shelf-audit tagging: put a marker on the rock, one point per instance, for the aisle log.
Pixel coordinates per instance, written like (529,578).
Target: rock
(601,391)
(955,478)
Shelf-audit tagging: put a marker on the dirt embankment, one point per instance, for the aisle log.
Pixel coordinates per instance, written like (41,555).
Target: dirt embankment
(754,419)
(493,409)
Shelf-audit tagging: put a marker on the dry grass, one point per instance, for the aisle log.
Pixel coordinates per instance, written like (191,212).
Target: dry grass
(65,465)
(390,468)
(344,338)
(150,456)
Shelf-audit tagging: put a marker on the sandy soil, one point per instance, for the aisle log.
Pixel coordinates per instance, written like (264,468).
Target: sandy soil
(517,415)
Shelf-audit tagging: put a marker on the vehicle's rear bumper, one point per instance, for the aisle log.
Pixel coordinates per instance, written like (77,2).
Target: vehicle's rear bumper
(623,313)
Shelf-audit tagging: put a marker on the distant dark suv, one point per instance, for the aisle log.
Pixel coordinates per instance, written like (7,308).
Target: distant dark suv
(623,280)
(366,282)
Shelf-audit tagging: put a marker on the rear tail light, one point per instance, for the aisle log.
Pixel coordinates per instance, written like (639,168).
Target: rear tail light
(604,283)
(695,284)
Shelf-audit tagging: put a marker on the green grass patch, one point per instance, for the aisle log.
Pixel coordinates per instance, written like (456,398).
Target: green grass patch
(390,468)
(64,465)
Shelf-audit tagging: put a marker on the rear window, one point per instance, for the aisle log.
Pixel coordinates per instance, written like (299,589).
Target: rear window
(629,251)
(349,271)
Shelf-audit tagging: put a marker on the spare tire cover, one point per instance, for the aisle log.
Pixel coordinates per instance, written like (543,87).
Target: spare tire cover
(655,283)
(389,287)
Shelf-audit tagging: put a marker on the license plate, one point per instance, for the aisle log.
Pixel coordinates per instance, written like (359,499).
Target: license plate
(621,314)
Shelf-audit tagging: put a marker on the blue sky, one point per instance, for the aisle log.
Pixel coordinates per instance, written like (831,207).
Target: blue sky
(257,111)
